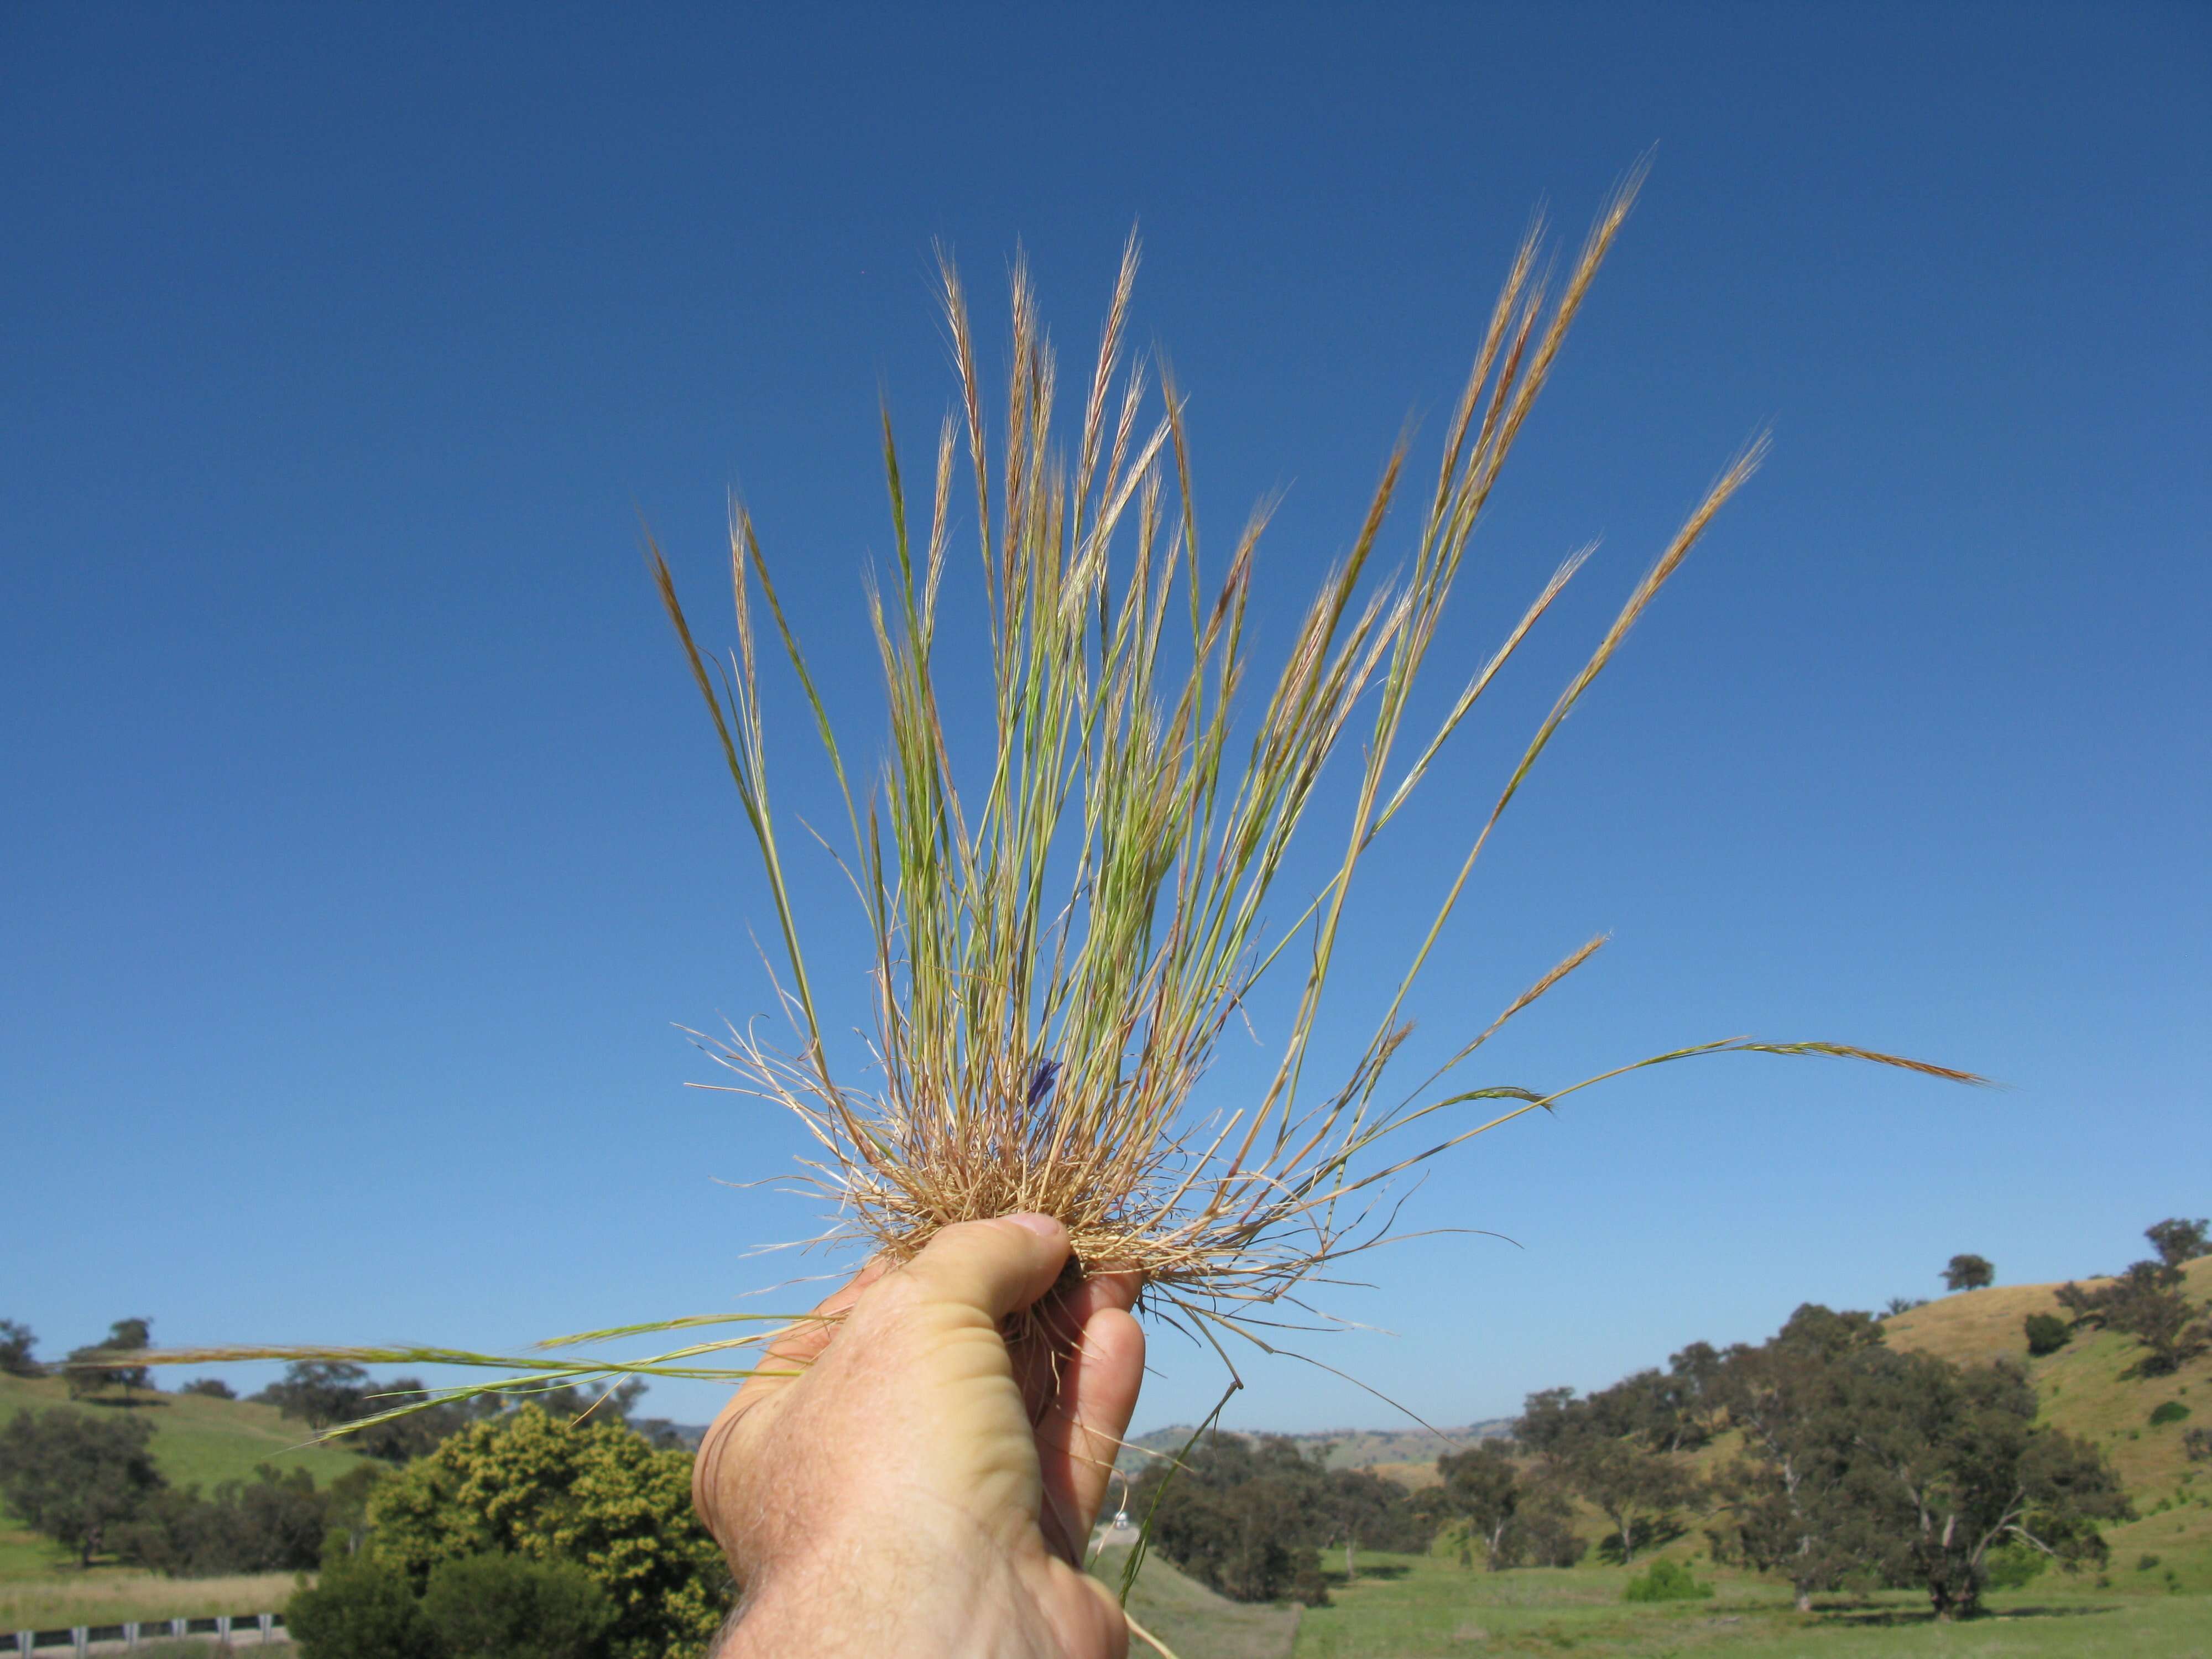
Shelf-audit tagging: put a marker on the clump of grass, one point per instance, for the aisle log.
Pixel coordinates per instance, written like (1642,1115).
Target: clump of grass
(1061,940)
(1058,952)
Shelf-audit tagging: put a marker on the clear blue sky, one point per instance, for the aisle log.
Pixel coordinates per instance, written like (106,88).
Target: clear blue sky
(363,843)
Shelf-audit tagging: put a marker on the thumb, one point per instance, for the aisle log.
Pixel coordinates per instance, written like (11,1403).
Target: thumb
(995,1266)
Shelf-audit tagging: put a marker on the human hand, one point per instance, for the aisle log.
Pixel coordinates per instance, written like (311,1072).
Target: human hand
(911,1485)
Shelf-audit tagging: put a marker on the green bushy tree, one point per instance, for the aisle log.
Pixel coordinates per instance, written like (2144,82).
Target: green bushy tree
(2047,1334)
(1800,1502)
(275,1522)
(2178,1241)
(509,1606)
(94,1370)
(1969,1272)
(1960,1446)
(77,1476)
(593,1494)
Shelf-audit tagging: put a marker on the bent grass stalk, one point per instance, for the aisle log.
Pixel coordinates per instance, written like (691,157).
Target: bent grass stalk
(1058,952)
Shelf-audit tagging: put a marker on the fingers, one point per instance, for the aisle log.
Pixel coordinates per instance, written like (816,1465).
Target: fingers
(1082,1431)
(995,1266)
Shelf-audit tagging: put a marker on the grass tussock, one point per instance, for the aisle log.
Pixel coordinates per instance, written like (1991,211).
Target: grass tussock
(1064,928)
(1060,946)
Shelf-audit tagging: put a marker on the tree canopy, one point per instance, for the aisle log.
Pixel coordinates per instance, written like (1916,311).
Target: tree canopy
(1901,1468)
(595,1494)
(76,1475)
(1969,1273)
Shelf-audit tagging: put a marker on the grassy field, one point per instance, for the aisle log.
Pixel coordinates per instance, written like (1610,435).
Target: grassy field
(1423,1608)
(1415,1607)
(108,1595)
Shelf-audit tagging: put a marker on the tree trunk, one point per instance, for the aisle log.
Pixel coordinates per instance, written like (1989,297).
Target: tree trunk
(1350,1571)
(1804,1601)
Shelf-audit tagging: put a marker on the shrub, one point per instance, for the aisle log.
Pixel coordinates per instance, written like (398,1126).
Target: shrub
(2010,1566)
(2047,1334)
(2144,1563)
(361,1609)
(2198,1444)
(2167,1411)
(1665,1581)
(502,1607)
(273,1523)
(213,1387)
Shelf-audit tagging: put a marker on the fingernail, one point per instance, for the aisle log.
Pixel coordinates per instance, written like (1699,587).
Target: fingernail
(1042,1225)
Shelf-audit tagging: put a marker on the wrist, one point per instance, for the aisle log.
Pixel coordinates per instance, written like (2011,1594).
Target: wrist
(886,1598)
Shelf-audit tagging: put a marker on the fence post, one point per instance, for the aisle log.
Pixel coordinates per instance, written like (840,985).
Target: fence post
(130,1635)
(24,1641)
(81,1640)
(222,1630)
(177,1626)
(267,1621)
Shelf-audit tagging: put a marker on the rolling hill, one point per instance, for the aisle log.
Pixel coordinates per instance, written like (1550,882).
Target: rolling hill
(198,1441)
(2088,1389)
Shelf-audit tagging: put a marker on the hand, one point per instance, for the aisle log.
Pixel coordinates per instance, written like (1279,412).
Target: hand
(911,1486)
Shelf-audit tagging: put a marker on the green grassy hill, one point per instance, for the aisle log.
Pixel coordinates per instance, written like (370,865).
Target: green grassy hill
(198,1441)
(1191,1619)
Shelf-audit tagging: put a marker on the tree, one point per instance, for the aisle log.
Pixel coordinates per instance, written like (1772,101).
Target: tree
(213,1387)
(1352,1508)
(500,1607)
(2046,1333)
(2147,1302)
(1969,1273)
(593,1494)
(325,1393)
(319,1392)
(1482,1488)
(275,1522)
(17,1343)
(1520,1518)
(94,1369)
(1601,1447)
(1637,1490)
(1237,1515)
(1798,1502)
(1961,1448)
(2177,1241)
(75,1475)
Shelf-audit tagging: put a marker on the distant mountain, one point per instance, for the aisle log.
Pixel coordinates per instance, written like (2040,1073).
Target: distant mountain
(1347,1449)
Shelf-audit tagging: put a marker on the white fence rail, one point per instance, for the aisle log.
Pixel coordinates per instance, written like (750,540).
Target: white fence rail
(227,1630)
